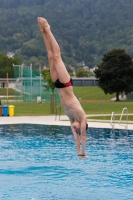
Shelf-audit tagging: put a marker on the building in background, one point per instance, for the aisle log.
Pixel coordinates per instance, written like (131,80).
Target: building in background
(10,54)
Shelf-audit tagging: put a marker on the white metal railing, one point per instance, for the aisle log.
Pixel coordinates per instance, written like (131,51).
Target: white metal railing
(112,120)
(58,111)
(126,126)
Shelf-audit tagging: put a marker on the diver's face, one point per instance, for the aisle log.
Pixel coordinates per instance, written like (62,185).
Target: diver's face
(76,127)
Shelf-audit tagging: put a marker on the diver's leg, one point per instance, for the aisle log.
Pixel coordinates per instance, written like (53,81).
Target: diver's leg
(62,73)
(49,52)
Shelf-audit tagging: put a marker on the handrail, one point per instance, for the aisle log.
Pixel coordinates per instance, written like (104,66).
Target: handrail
(58,108)
(112,120)
(126,126)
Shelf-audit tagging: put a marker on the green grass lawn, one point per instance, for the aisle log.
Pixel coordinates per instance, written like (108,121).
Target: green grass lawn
(3,91)
(106,107)
(91,93)
(27,108)
(11,92)
(86,93)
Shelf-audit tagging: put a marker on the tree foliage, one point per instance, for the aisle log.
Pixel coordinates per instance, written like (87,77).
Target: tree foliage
(81,72)
(85,30)
(115,73)
(47,77)
(49,85)
(6,65)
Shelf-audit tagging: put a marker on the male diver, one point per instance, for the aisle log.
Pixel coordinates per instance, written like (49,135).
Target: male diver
(63,83)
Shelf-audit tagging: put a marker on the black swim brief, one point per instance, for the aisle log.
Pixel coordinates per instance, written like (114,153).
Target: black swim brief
(58,84)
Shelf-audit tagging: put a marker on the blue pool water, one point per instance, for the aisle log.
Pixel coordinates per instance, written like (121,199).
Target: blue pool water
(39,162)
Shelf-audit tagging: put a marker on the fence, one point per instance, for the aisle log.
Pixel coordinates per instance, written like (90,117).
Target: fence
(28,85)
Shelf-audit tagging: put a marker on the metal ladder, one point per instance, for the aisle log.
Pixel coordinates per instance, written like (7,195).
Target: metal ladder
(58,110)
(126,126)
(112,120)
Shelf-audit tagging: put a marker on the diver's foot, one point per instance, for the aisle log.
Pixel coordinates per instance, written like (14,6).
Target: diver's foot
(43,24)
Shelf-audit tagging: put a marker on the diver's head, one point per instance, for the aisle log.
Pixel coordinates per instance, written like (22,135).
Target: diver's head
(76,125)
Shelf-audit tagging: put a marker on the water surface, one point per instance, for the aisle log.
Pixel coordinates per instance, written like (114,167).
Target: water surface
(39,162)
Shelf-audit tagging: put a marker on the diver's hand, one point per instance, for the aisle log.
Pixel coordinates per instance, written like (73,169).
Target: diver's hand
(82,155)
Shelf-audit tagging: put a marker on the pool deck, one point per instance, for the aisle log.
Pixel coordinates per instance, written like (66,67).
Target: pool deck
(50,120)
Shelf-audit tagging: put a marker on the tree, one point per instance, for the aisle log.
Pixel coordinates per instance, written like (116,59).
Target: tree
(6,65)
(49,85)
(115,73)
(81,72)
(47,77)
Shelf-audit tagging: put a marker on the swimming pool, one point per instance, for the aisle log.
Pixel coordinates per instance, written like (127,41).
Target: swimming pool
(39,162)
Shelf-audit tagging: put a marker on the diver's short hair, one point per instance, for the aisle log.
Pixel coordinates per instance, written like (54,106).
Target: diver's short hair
(86,126)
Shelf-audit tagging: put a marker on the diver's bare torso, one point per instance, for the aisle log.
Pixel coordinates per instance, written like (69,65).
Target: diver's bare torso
(71,105)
